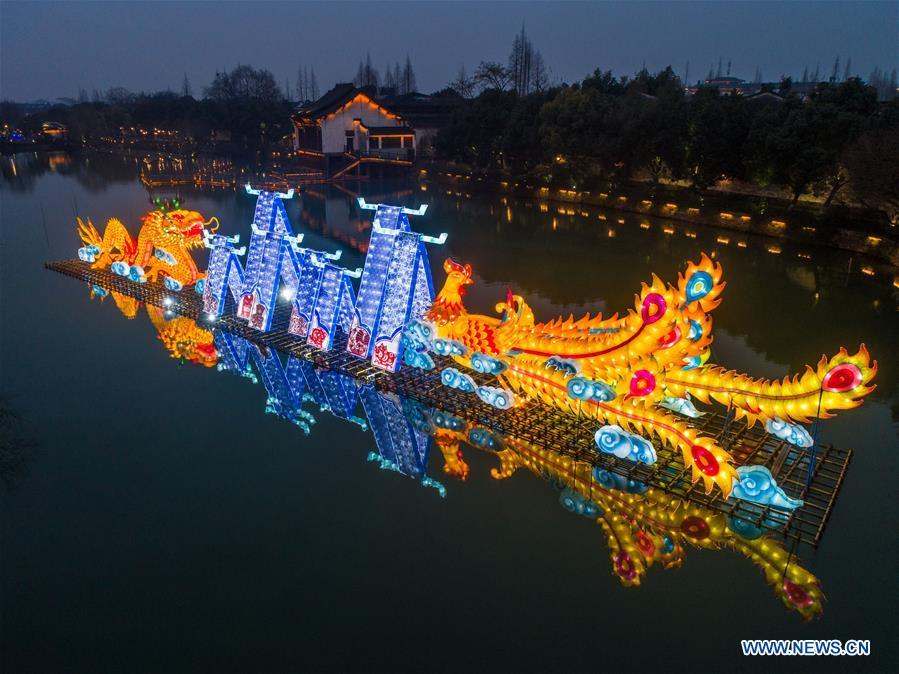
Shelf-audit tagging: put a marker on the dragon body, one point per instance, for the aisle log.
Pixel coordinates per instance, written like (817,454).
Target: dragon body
(162,247)
(625,371)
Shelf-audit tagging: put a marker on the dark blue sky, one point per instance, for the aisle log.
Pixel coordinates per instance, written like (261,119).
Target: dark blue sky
(53,49)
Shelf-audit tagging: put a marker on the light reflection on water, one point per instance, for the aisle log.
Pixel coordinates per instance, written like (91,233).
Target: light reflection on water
(159,491)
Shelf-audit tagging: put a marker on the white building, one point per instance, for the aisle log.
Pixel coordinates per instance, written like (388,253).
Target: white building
(349,121)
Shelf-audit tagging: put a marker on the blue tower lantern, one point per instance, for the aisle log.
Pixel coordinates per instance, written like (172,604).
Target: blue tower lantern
(396,285)
(272,235)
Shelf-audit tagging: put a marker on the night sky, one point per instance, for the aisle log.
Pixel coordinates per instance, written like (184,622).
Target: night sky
(52,50)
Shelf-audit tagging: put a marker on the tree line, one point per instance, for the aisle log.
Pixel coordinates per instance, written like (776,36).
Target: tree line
(606,130)
(245,102)
(396,81)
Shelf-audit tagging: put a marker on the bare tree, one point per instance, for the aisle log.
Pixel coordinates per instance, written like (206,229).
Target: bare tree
(407,83)
(526,66)
(244,82)
(492,75)
(463,84)
(539,73)
(186,89)
(301,85)
(367,75)
(389,84)
(313,84)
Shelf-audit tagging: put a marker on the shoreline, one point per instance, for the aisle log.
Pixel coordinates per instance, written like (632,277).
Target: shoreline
(799,227)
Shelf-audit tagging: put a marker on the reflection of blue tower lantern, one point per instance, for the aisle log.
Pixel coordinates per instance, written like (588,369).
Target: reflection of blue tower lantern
(400,443)
(396,285)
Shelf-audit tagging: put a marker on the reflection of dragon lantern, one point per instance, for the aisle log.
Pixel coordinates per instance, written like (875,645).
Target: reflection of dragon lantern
(644,526)
(163,247)
(629,373)
(182,337)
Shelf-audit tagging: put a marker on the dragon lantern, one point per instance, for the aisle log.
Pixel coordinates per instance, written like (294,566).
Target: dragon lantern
(631,373)
(163,247)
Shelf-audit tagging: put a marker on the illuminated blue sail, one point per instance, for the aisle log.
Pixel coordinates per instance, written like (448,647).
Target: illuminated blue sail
(272,237)
(396,285)
(224,274)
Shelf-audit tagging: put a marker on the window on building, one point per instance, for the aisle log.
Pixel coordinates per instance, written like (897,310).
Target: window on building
(407,141)
(374,143)
(390,142)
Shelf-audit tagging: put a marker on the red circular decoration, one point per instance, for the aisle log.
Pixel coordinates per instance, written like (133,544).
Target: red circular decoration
(645,544)
(642,383)
(705,460)
(797,594)
(624,567)
(653,308)
(842,378)
(695,527)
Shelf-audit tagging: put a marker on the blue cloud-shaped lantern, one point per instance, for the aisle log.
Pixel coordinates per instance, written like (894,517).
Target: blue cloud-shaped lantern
(581,388)
(119,268)
(757,485)
(88,253)
(454,379)
(170,283)
(497,397)
(618,442)
(449,347)
(136,274)
(419,335)
(418,359)
(481,362)
(793,433)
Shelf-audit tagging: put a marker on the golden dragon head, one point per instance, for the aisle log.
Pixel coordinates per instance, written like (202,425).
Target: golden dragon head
(187,226)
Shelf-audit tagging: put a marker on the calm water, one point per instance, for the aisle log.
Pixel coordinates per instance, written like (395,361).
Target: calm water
(154,518)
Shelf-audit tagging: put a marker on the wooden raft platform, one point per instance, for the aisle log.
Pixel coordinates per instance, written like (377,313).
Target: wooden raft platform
(545,426)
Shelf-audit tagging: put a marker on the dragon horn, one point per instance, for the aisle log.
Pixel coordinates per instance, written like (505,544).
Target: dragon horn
(211,220)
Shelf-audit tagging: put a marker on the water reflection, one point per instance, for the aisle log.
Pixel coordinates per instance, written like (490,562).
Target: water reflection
(643,527)
(16,444)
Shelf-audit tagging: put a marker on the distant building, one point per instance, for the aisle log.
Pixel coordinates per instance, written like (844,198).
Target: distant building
(739,87)
(732,85)
(349,120)
(426,114)
(54,131)
(351,126)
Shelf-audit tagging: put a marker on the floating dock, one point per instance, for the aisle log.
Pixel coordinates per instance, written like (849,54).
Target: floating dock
(544,426)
